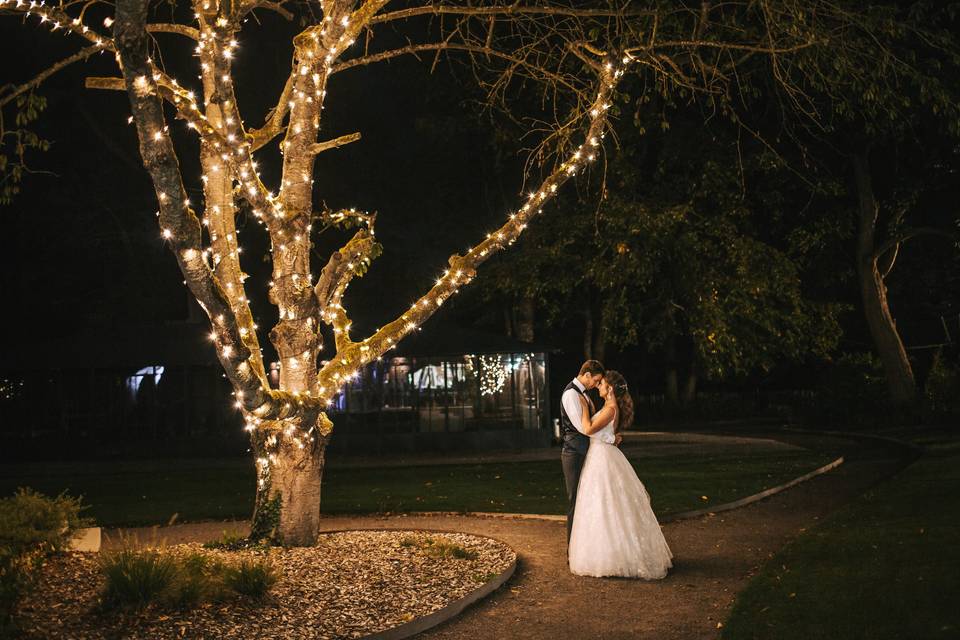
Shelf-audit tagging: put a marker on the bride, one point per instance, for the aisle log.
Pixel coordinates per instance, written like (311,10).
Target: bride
(615,532)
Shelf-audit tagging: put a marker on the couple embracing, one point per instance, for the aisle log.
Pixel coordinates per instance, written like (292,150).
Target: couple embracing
(611,528)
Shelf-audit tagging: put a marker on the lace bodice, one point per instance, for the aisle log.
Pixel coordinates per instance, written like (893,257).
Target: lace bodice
(608,433)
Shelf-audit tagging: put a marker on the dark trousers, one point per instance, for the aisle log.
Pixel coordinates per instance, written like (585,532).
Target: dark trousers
(572,463)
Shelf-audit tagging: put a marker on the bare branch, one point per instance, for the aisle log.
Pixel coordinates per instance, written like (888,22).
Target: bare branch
(83,54)
(462,269)
(509,10)
(320,147)
(442,46)
(274,125)
(349,261)
(179,29)
(909,234)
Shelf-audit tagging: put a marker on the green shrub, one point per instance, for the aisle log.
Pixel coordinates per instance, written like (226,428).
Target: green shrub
(253,578)
(942,389)
(136,578)
(32,526)
(851,392)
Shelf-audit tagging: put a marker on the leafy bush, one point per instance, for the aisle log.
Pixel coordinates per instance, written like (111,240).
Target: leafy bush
(32,526)
(942,389)
(851,392)
(252,578)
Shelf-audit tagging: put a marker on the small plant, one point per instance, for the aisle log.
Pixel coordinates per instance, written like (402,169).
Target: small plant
(229,542)
(253,578)
(32,526)
(136,578)
(444,549)
(197,580)
(439,549)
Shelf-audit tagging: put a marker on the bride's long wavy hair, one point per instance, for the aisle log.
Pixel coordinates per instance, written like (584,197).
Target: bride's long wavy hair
(624,402)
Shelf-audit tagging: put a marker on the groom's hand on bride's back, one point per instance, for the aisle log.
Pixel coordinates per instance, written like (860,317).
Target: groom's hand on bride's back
(618,439)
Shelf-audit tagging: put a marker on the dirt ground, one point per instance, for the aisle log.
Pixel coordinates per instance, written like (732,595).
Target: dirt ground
(715,557)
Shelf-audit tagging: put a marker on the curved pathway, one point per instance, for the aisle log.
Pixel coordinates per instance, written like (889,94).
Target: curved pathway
(715,556)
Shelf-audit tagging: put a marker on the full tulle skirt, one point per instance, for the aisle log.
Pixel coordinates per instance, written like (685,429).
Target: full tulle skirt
(615,532)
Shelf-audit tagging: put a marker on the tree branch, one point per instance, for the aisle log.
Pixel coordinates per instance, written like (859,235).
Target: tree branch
(179,29)
(274,124)
(509,10)
(908,234)
(320,147)
(444,46)
(462,269)
(83,54)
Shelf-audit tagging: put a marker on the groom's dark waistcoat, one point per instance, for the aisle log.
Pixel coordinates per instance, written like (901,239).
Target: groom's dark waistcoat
(573,440)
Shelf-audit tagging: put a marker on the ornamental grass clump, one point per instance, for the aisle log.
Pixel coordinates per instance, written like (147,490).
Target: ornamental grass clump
(138,578)
(251,578)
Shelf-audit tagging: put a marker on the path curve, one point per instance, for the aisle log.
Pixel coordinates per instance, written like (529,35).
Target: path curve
(715,557)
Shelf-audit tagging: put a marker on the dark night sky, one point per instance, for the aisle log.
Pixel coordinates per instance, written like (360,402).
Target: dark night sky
(84,247)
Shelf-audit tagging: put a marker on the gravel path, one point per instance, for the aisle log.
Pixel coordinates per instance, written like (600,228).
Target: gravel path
(715,556)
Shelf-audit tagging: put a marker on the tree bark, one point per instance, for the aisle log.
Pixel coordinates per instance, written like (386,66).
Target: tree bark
(588,335)
(526,313)
(600,343)
(873,291)
(690,388)
(671,377)
(287,507)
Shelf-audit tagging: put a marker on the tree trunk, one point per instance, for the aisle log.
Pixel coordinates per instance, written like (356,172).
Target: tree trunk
(525,317)
(873,292)
(690,388)
(588,335)
(672,384)
(287,507)
(600,344)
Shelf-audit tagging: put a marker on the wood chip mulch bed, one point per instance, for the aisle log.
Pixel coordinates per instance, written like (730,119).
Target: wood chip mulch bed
(351,584)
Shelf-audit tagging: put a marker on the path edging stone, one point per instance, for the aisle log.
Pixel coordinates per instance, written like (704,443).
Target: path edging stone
(672,517)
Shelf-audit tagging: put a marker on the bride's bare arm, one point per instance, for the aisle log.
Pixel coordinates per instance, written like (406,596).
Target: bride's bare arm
(589,425)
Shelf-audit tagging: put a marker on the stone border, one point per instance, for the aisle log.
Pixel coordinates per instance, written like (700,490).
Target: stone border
(672,517)
(742,502)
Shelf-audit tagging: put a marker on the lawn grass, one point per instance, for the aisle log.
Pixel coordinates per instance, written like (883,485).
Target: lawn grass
(885,566)
(151,492)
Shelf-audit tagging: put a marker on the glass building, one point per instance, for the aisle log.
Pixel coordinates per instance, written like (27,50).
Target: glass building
(448,388)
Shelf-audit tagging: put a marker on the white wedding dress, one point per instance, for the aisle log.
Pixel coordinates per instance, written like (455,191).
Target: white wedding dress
(615,532)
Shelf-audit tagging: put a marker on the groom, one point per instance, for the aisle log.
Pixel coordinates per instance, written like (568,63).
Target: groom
(575,444)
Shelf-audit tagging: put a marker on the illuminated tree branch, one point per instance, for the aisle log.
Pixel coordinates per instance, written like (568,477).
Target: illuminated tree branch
(320,147)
